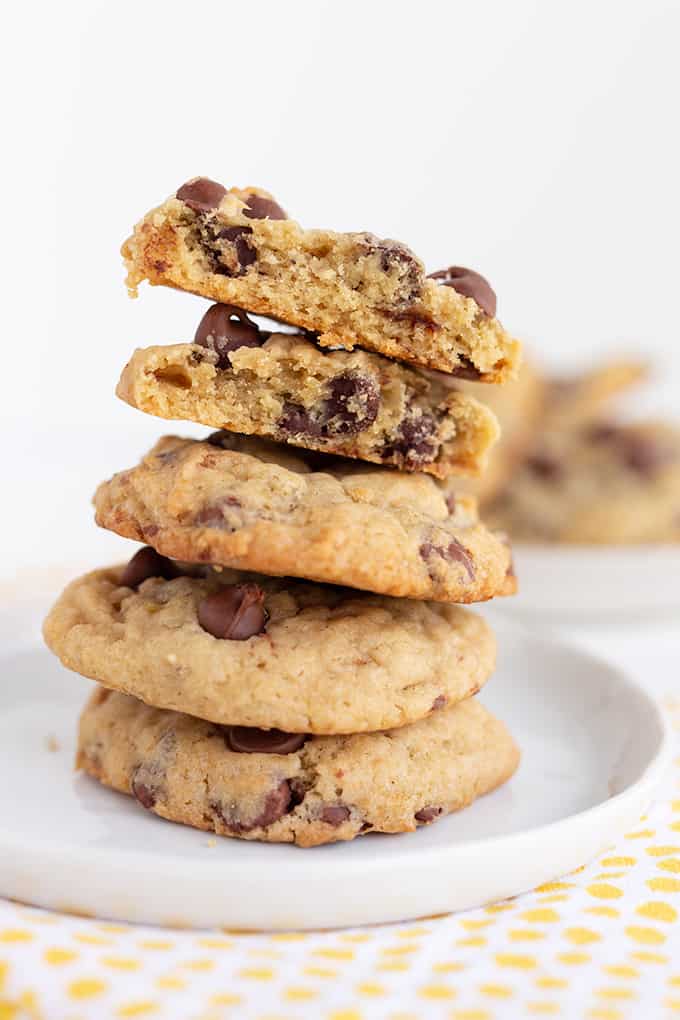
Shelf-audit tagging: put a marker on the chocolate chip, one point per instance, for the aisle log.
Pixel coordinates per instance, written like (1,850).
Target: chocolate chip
(225,328)
(470,284)
(451,503)
(201,194)
(646,455)
(297,420)
(149,777)
(441,701)
(146,795)
(398,260)
(239,237)
(545,467)
(249,740)
(235,612)
(148,563)
(428,814)
(454,552)
(217,438)
(602,432)
(260,208)
(466,369)
(276,804)
(212,515)
(352,403)
(414,443)
(643,454)
(335,814)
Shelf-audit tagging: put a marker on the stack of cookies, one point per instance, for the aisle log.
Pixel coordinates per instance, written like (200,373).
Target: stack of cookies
(286,659)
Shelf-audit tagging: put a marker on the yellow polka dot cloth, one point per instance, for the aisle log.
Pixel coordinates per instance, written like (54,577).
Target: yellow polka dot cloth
(602,943)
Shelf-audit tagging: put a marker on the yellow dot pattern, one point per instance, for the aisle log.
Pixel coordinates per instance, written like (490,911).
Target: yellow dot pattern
(602,943)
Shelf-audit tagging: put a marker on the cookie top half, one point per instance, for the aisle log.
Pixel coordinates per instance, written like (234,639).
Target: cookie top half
(239,247)
(252,505)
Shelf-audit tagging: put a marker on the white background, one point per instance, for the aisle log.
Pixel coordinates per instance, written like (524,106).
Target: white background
(536,142)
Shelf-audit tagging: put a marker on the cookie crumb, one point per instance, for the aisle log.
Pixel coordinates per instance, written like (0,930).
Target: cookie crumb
(211,843)
(51,743)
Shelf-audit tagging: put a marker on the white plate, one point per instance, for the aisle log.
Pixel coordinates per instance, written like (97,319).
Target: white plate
(594,746)
(576,580)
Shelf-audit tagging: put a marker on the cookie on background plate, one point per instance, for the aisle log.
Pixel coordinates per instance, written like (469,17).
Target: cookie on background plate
(288,788)
(284,387)
(245,503)
(257,651)
(238,247)
(603,483)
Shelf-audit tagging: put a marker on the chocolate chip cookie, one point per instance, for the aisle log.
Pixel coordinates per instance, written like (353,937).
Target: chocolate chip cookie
(601,483)
(239,247)
(353,404)
(532,404)
(290,788)
(257,651)
(244,503)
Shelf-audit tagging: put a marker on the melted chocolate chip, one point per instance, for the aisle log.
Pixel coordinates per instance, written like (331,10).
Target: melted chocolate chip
(201,194)
(297,420)
(470,284)
(428,814)
(454,552)
(260,208)
(441,701)
(148,563)
(249,740)
(245,253)
(235,612)
(351,405)
(414,444)
(276,804)
(451,503)
(335,814)
(225,328)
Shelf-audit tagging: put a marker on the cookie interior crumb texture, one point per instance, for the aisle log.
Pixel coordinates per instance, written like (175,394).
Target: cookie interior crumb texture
(352,404)
(352,289)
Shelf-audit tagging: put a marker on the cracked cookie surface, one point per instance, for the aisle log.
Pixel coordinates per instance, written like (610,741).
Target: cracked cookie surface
(252,505)
(238,247)
(351,404)
(326,660)
(299,790)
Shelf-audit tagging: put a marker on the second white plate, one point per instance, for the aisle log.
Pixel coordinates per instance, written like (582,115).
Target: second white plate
(579,581)
(594,746)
